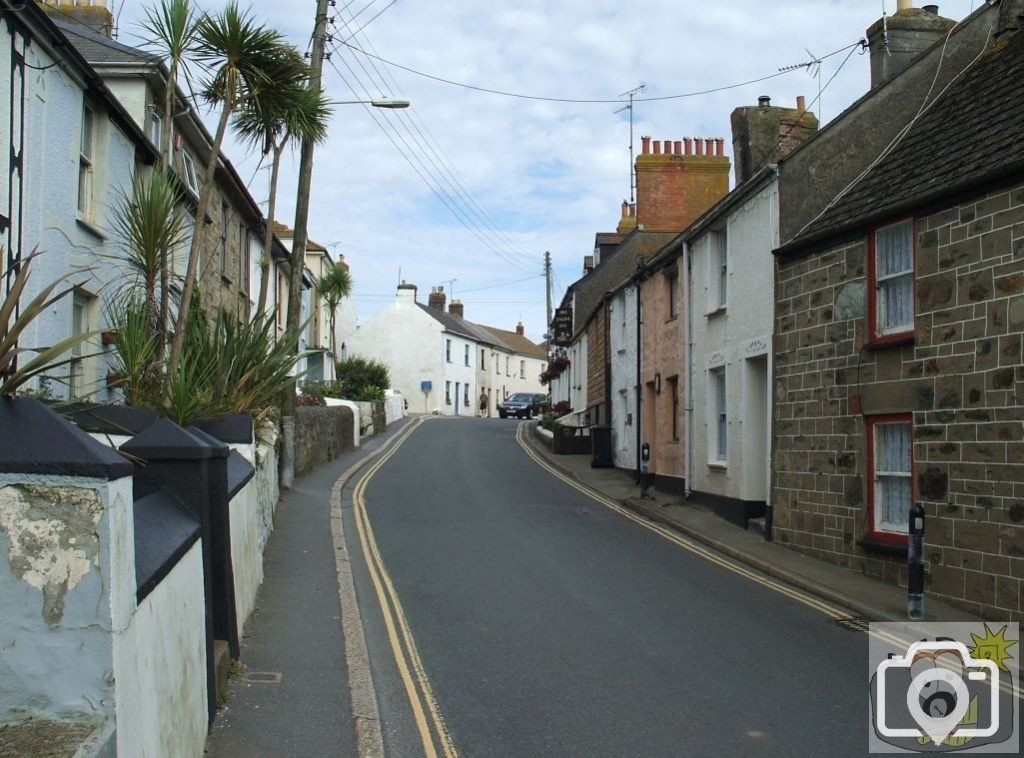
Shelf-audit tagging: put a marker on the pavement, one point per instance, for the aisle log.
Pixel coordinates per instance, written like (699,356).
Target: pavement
(864,596)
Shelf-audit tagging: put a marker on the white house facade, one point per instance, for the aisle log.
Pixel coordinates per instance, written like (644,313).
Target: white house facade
(731,305)
(623,351)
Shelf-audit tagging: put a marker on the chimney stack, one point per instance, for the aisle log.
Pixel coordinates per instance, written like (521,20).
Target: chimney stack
(437,299)
(767,133)
(897,40)
(520,330)
(677,180)
(588,263)
(455,308)
(93,15)
(406,294)
(627,222)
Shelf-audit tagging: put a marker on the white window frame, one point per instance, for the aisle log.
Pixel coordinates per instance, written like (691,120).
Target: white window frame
(86,160)
(191,176)
(156,127)
(78,369)
(718,270)
(886,284)
(718,416)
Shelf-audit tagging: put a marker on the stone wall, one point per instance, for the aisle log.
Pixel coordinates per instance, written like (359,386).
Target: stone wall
(962,379)
(321,435)
(597,365)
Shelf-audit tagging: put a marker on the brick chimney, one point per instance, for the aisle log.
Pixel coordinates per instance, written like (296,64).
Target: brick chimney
(92,14)
(456,308)
(677,181)
(897,39)
(437,298)
(766,133)
(520,329)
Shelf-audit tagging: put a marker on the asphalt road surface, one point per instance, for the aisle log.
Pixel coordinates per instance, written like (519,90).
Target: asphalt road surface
(508,614)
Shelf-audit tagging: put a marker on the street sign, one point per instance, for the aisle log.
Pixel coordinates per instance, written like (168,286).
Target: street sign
(562,327)
(426,385)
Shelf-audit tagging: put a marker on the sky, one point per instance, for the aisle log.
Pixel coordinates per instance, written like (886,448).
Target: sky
(467,189)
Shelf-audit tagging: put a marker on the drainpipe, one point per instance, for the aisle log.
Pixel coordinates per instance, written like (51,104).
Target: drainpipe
(688,372)
(639,352)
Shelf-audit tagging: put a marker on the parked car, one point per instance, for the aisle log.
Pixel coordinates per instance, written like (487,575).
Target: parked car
(521,405)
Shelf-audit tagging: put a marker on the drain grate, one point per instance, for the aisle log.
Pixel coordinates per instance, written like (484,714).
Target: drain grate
(263,677)
(853,623)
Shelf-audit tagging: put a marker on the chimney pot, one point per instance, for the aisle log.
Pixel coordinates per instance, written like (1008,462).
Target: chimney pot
(764,101)
(801,103)
(709,147)
(678,148)
(719,146)
(520,330)
(455,308)
(902,5)
(657,147)
(689,145)
(646,143)
(698,146)
(933,9)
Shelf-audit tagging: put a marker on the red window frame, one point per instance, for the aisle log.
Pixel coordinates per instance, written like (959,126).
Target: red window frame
(876,534)
(875,336)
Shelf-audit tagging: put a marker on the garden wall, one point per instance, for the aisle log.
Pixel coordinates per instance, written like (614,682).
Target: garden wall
(321,435)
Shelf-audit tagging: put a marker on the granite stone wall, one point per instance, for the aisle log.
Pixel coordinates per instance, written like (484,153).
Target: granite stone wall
(962,379)
(321,435)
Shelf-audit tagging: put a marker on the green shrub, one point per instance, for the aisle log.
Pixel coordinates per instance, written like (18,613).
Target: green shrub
(362,379)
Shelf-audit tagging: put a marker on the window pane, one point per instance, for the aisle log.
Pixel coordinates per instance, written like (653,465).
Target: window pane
(893,447)
(894,247)
(894,494)
(896,297)
(87,125)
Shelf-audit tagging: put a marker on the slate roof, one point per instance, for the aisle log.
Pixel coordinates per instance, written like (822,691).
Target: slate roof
(463,328)
(612,273)
(98,49)
(972,135)
(518,342)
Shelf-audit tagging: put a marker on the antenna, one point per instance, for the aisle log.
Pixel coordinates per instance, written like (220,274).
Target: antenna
(632,167)
(813,67)
(451,286)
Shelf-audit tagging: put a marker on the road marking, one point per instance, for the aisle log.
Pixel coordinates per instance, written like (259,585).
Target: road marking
(433,731)
(684,542)
(832,611)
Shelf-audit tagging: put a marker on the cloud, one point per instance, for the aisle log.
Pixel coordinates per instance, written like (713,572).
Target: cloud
(529,176)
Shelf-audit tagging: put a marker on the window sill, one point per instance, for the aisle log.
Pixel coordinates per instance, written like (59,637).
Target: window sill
(670,319)
(888,545)
(897,340)
(719,465)
(91,228)
(715,311)
(225,280)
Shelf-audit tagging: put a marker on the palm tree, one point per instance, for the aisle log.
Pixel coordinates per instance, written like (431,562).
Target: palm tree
(334,286)
(240,55)
(151,224)
(171,29)
(268,120)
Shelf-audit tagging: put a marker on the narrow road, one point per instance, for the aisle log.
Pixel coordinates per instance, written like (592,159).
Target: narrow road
(508,614)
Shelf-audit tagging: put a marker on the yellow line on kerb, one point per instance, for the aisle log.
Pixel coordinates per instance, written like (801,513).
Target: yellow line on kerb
(432,731)
(684,542)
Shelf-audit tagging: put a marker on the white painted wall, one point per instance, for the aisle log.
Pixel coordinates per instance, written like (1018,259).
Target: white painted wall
(67,584)
(160,668)
(738,337)
(409,342)
(461,374)
(622,342)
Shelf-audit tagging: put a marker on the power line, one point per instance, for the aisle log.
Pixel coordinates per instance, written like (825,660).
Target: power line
(590,101)
(436,150)
(428,173)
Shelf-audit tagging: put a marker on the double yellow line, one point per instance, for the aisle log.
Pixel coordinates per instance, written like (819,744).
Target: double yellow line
(429,722)
(686,543)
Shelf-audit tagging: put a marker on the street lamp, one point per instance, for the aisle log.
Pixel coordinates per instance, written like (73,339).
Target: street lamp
(380,102)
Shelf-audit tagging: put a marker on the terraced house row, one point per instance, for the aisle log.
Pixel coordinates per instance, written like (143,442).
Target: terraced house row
(840,335)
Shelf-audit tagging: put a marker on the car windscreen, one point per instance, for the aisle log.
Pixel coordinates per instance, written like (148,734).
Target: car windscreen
(521,398)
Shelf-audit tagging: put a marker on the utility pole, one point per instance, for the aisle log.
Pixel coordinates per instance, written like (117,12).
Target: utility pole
(298,256)
(547,287)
